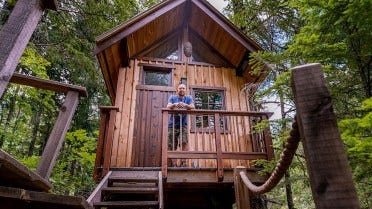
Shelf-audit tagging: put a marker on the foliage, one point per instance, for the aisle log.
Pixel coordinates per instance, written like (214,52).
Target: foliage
(74,170)
(337,33)
(357,135)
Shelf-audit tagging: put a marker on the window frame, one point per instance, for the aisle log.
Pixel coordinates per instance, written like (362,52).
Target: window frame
(193,128)
(155,68)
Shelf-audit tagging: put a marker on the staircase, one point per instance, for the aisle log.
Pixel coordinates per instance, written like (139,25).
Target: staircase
(129,189)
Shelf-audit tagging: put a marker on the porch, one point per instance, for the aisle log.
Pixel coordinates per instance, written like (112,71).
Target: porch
(218,141)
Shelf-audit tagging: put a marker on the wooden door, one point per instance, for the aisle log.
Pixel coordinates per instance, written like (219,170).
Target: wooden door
(148,124)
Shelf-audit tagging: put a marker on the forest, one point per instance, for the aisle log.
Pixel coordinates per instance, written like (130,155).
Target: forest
(335,33)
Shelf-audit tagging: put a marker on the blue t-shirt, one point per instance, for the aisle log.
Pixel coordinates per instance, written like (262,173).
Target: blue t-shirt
(176,117)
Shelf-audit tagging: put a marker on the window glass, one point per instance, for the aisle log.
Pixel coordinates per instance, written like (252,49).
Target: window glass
(157,76)
(208,99)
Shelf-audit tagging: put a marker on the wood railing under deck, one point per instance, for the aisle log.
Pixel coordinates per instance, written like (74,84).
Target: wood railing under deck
(215,136)
(105,140)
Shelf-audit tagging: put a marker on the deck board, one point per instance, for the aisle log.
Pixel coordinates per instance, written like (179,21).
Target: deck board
(14,174)
(11,198)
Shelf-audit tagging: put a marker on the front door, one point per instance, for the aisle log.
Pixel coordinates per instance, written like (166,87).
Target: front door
(148,124)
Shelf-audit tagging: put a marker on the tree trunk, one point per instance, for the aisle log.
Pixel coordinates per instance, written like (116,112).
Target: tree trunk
(9,117)
(287,181)
(36,121)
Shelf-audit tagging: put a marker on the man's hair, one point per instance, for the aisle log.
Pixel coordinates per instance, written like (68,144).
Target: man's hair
(181,84)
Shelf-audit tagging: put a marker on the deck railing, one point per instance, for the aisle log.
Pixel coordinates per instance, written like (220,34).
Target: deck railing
(216,139)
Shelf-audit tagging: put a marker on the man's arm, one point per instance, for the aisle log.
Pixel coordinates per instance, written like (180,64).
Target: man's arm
(191,105)
(171,106)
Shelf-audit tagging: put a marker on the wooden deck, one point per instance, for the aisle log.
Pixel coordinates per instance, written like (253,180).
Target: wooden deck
(22,188)
(15,174)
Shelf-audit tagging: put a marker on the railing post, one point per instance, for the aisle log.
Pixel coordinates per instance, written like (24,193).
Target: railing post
(164,145)
(217,131)
(15,35)
(109,140)
(56,138)
(241,191)
(330,176)
(104,120)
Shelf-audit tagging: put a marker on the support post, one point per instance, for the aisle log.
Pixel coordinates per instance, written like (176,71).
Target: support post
(56,138)
(330,176)
(217,131)
(241,191)
(16,33)
(109,142)
(164,145)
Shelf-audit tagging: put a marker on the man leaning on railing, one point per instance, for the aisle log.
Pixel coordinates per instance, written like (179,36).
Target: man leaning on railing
(177,126)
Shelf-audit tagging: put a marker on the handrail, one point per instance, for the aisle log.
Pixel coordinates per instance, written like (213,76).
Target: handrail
(217,153)
(62,124)
(212,112)
(47,84)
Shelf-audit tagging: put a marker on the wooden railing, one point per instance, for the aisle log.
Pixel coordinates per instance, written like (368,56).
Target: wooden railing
(104,144)
(56,137)
(214,137)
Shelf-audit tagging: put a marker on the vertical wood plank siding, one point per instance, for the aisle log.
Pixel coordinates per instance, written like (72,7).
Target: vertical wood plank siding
(126,119)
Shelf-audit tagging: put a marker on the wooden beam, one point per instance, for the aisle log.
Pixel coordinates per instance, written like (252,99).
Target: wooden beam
(11,198)
(14,174)
(217,131)
(95,196)
(15,35)
(161,195)
(330,176)
(243,64)
(109,140)
(124,53)
(164,145)
(56,138)
(47,84)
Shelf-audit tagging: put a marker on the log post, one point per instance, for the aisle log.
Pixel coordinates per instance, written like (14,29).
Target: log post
(56,138)
(330,176)
(241,191)
(16,33)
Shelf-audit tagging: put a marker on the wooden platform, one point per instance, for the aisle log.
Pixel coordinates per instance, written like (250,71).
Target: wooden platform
(11,198)
(22,188)
(15,174)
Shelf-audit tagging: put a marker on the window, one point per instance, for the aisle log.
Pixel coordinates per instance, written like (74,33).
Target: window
(157,76)
(168,50)
(205,98)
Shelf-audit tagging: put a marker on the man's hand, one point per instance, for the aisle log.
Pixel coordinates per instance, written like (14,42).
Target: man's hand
(180,105)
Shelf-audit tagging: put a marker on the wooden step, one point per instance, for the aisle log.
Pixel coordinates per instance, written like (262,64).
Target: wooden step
(126,204)
(129,190)
(134,184)
(120,179)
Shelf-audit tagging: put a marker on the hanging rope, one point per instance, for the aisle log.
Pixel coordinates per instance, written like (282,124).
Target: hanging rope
(282,166)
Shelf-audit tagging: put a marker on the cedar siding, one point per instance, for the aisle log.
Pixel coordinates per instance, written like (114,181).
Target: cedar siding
(197,75)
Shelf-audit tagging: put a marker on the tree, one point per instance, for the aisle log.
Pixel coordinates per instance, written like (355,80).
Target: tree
(357,135)
(338,33)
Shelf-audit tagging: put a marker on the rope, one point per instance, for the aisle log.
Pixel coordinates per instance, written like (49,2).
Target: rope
(282,166)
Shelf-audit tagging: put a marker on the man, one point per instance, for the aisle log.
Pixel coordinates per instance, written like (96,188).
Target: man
(178,122)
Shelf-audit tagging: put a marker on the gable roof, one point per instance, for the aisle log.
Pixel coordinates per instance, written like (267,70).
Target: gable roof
(131,38)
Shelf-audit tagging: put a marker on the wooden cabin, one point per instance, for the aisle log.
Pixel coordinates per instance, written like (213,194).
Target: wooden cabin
(142,61)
